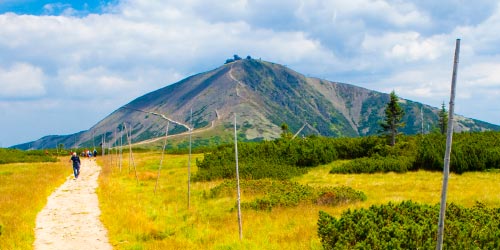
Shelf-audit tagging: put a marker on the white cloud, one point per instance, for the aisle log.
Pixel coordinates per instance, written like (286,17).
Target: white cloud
(22,80)
(484,74)
(406,46)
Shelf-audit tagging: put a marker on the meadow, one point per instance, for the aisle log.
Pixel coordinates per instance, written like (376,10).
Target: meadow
(24,188)
(137,218)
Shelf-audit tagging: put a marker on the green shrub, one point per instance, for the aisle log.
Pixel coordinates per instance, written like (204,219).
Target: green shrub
(410,225)
(279,159)
(475,151)
(375,164)
(284,158)
(287,194)
(17,156)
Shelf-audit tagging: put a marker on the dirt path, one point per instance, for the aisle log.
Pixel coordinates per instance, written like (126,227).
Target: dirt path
(70,220)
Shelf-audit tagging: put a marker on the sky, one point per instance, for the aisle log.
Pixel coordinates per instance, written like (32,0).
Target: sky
(66,65)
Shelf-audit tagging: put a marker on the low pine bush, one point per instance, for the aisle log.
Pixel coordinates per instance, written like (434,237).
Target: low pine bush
(398,164)
(287,194)
(410,225)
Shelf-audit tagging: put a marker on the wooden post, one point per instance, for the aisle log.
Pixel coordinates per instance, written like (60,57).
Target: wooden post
(129,134)
(103,147)
(162,156)
(189,158)
(237,179)
(449,138)
(131,155)
(121,148)
(422,118)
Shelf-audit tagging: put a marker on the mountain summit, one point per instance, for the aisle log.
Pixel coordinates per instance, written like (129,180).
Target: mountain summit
(263,96)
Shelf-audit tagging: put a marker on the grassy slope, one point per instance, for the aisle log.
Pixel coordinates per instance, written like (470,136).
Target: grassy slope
(137,219)
(24,188)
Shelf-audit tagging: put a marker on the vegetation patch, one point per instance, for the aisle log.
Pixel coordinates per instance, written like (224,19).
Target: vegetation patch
(280,159)
(23,193)
(287,194)
(477,151)
(285,158)
(377,164)
(137,218)
(15,155)
(409,225)
(470,152)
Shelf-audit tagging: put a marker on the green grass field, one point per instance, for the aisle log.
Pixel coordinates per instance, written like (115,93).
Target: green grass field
(136,218)
(24,188)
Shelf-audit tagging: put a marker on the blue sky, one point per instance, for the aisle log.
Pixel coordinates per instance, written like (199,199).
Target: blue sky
(65,65)
(43,7)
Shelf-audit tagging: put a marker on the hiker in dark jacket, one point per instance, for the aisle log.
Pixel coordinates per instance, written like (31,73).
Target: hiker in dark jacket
(76,164)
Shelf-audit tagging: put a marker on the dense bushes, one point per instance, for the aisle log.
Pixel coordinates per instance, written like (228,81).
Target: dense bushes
(470,152)
(410,225)
(279,159)
(377,164)
(283,159)
(287,194)
(16,155)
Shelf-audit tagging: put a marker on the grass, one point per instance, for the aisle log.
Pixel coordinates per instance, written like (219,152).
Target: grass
(138,219)
(420,186)
(24,188)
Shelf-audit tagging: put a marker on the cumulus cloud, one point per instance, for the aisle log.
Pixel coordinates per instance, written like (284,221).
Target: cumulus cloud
(406,46)
(21,80)
(484,74)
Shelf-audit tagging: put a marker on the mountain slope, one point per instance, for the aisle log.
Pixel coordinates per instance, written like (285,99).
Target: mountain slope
(263,95)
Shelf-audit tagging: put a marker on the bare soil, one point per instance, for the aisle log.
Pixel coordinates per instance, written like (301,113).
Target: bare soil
(70,220)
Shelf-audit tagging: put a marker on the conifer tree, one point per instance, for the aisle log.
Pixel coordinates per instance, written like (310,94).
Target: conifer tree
(285,132)
(443,119)
(393,116)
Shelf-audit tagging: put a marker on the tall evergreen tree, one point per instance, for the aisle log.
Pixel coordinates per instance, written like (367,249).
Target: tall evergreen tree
(443,119)
(285,131)
(393,116)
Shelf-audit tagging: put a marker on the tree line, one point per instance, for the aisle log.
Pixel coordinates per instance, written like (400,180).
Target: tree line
(285,157)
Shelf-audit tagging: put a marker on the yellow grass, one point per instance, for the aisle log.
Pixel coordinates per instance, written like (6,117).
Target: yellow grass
(421,186)
(24,188)
(138,219)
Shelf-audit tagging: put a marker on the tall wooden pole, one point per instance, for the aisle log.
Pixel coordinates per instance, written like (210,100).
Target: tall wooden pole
(422,119)
(131,155)
(121,148)
(129,134)
(162,156)
(189,158)
(237,179)
(102,145)
(449,138)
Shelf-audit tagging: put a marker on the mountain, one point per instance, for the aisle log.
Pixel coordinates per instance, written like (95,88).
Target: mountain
(263,95)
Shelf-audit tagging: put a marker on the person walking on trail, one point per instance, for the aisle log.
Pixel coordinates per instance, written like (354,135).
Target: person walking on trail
(76,164)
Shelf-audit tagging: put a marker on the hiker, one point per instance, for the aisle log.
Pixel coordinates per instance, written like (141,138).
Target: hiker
(95,153)
(76,164)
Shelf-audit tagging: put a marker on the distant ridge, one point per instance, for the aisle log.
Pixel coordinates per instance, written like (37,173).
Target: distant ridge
(264,95)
